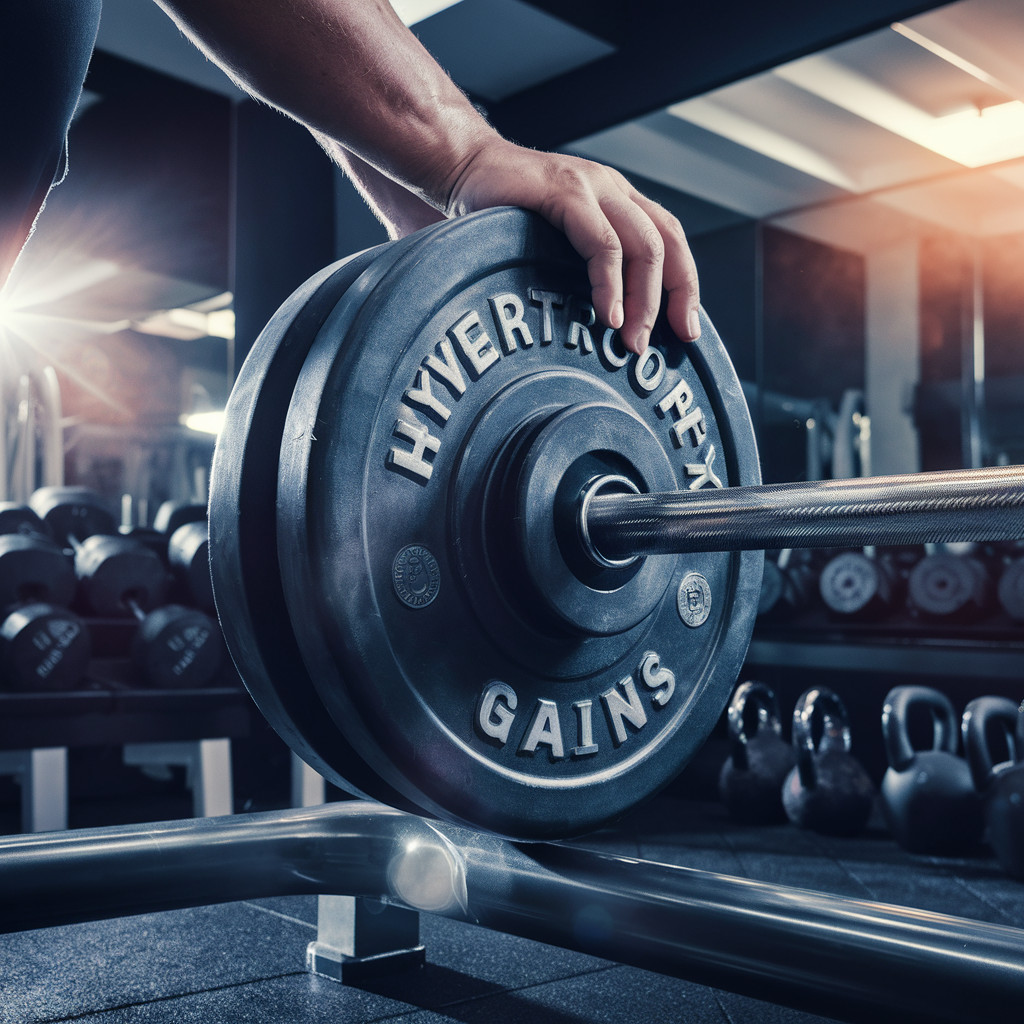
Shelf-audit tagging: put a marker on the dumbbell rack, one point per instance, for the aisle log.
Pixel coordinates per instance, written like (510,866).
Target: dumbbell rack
(852,959)
(191,726)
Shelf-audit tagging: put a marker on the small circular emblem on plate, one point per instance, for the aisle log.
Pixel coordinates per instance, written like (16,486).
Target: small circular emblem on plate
(693,601)
(416,575)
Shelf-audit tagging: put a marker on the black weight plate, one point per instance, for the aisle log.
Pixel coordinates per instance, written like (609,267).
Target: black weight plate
(415,645)
(243,490)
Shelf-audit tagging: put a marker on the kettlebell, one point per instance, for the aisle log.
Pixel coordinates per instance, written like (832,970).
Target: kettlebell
(1001,785)
(828,791)
(750,782)
(928,796)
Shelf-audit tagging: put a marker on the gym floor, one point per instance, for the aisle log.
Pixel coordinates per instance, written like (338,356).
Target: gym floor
(244,962)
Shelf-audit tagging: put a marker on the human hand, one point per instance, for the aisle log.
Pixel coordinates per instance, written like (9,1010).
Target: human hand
(634,248)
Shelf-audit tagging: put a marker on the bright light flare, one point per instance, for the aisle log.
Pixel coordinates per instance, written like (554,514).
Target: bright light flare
(204,422)
(979,137)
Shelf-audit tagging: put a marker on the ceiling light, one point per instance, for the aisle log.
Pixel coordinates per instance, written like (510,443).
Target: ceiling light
(413,11)
(188,324)
(972,138)
(204,422)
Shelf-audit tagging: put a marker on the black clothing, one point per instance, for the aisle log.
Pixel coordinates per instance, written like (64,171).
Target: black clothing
(45,46)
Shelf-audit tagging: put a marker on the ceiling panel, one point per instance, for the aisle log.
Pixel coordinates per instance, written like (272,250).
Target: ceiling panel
(779,119)
(895,117)
(987,33)
(494,48)
(714,168)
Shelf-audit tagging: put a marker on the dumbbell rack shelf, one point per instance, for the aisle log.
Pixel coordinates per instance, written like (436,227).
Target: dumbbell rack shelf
(118,715)
(961,653)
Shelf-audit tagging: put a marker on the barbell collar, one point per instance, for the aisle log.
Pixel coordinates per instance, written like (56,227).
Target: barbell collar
(917,508)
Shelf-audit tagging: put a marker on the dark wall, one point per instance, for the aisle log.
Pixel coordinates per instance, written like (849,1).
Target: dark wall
(727,265)
(813,317)
(149,182)
(355,227)
(1004,308)
(284,216)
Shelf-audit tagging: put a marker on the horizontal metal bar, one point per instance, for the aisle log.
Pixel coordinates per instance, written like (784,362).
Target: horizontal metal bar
(849,959)
(918,508)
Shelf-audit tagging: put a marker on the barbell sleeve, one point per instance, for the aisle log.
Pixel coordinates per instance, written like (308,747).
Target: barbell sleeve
(917,508)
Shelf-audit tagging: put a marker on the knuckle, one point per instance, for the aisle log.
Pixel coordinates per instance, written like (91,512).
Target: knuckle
(674,228)
(609,247)
(570,179)
(651,247)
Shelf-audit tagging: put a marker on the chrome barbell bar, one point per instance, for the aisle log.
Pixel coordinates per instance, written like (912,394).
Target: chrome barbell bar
(916,508)
(849,959)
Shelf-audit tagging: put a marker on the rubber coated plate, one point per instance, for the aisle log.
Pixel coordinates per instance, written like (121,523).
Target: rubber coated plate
(432,645)
(243,490)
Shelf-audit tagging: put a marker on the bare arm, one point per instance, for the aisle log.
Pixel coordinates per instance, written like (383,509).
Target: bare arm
(355,76)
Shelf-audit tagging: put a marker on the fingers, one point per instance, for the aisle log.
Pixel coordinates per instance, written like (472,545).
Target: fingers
(634,249)
(679,274)
(643,262)
(592,235)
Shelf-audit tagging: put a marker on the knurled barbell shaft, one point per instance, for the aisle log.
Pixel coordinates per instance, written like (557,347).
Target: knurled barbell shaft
(917,508)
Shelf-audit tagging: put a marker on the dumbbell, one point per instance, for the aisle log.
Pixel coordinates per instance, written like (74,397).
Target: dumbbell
(1001,783)
(928,796)
(859,585)
(175,647)
(188,554)
(828,791)
(951,586)
(787,584)
(108,566)
(43,645)
(15,518)
(750,782)
(172,514)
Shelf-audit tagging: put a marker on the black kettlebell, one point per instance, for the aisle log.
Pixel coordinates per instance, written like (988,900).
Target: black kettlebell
(828,791)
(1001,785)
(928,796)
(750,781)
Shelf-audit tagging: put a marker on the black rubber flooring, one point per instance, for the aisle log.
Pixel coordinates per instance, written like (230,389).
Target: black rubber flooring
(244,962)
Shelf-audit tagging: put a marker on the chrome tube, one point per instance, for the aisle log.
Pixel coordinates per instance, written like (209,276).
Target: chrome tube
(918,508)
(53,427)
(848,959)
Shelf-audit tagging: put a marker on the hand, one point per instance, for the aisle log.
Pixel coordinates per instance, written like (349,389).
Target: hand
(633,247)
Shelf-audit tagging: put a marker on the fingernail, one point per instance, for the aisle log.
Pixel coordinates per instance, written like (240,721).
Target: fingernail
(642,341)
(693,325)
(616,316)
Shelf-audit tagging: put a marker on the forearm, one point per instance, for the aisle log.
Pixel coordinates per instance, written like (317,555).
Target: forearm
(352,72)
(362,83)
(399,210)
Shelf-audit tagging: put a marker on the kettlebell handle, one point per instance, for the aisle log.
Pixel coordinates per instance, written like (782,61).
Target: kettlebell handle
(982,714)
(835,734)
(896,716)
(768,717)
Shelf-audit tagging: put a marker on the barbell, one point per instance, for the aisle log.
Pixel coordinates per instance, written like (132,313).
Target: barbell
(475,560)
